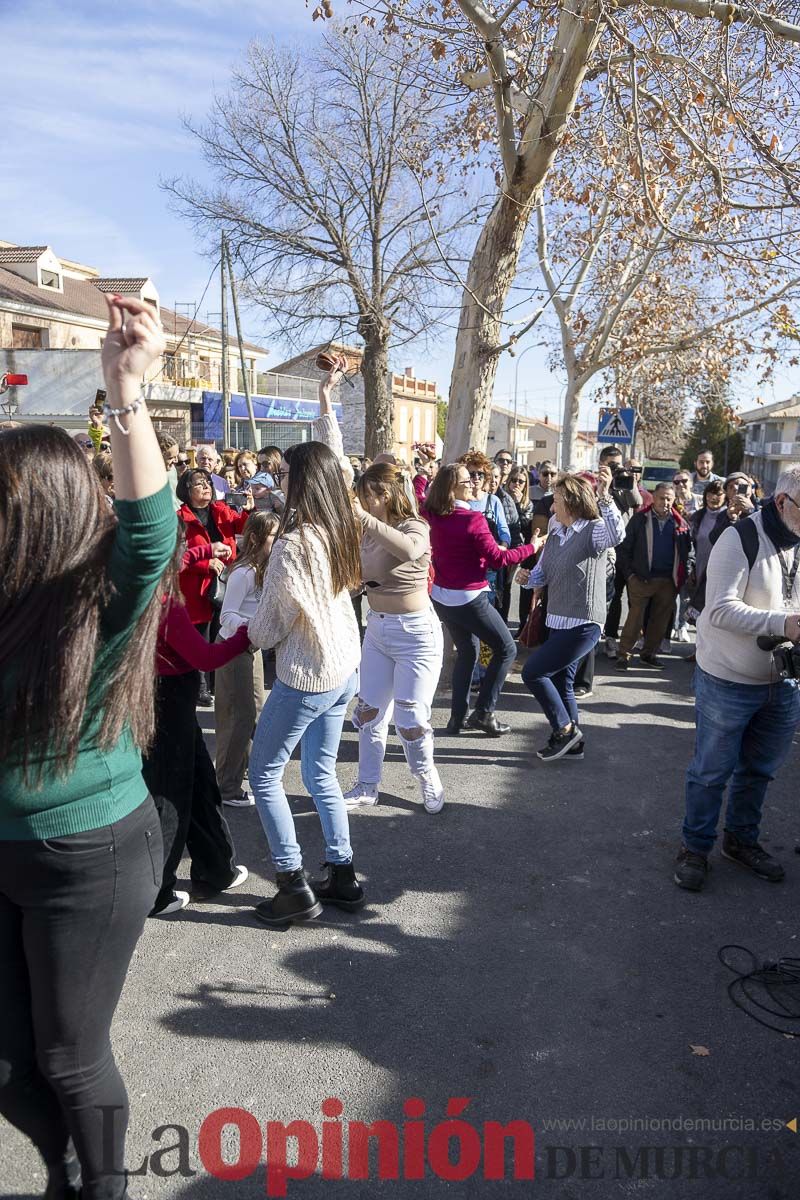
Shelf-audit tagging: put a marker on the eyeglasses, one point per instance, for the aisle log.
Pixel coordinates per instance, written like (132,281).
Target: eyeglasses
(85,445)
(791,501)
(680,480)
(279,475)
(182,462)
(504,462)
(514,480)
(547,474)
(477,474)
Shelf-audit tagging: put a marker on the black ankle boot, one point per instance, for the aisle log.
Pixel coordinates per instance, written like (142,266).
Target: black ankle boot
(488,723)
(293,901)
(339,886)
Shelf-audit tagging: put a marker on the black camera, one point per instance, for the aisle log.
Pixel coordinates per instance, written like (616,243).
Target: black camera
(623,479)
(785,655)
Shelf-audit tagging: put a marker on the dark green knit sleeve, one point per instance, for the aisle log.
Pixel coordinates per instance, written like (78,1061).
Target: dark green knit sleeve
(144,544)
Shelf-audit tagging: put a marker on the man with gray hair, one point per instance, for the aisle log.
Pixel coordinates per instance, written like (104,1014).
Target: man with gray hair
(745,713)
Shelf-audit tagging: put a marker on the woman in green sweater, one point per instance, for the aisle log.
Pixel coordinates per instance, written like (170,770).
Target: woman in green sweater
(80,844)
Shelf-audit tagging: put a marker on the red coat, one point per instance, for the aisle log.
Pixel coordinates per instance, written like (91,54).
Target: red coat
(195,577)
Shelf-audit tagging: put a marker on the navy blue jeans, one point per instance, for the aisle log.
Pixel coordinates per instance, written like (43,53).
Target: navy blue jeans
(469,625)
(743,734)
(550,671)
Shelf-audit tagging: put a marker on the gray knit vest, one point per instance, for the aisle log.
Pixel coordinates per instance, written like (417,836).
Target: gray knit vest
(576,577)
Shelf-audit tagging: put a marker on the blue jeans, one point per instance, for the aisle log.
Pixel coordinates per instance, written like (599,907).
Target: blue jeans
(550,671)
(743,734)
(315,719)
(469,625)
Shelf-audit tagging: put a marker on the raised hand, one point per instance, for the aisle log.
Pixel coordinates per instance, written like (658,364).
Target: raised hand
(135,339)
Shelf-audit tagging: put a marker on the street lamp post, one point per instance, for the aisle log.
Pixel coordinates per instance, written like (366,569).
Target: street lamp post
(516,391)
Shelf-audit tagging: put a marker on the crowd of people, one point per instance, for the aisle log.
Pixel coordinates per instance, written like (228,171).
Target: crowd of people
(142,581)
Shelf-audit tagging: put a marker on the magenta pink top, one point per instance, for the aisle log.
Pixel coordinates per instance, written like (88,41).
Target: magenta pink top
(464,550)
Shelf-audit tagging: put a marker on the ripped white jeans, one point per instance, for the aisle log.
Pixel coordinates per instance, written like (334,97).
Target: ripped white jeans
(401,661)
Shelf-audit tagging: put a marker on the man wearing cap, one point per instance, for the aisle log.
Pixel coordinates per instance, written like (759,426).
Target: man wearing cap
(740,502)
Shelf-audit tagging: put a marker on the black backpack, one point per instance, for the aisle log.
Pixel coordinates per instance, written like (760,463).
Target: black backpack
(748,536)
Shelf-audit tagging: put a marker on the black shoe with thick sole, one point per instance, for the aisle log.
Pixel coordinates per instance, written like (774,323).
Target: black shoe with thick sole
(486,722)
(753,857)
(576,753)
(560,744)
(650,660)
(691,870)
(293,901)
(339,886)
(622,663)
(453,727)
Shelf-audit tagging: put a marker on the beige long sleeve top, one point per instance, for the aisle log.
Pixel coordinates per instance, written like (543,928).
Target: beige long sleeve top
(313,630)
(396,556)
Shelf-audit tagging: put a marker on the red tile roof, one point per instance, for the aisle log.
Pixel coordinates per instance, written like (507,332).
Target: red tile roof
(123,286)
(87,300)
(21,254)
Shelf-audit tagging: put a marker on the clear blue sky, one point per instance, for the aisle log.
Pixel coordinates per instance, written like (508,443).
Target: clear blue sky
(92,99)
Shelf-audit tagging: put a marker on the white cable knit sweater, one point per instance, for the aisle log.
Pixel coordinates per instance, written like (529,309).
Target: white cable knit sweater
(314,632)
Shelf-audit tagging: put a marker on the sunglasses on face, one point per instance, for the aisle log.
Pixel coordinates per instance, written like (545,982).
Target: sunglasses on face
(546,474)
(504,462)
(182,462)
(477,474)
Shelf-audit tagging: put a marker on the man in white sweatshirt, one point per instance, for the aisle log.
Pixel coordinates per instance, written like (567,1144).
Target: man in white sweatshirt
(745,714)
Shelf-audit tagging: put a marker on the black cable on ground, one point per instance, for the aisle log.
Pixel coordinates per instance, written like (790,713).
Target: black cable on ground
(771,987)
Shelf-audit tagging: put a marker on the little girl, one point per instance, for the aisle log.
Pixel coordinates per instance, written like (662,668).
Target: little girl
(239,695)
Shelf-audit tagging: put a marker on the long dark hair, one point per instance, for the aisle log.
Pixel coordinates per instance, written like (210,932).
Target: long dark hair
(441,495)
(253,551)
(56,537)
(316,498)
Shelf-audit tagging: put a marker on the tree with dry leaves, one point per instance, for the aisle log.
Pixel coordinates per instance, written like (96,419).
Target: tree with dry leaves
(707,87)
(646,309)
(316,162)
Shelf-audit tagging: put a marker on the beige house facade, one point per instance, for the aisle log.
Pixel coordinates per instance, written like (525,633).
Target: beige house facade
(771,440)
(49,303)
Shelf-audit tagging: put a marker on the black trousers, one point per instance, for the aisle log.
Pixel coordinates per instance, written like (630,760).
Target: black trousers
(181,778)
(469,625)
(71,912)
(614,614)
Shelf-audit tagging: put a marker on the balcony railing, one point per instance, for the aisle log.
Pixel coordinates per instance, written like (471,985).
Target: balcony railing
(779,449)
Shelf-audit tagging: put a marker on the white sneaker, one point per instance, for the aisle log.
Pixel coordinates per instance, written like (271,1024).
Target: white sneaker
(241,874)
(666,646)
(362,793)
(611,647)
(683,634)
(179,900)
(430,785)
(244,800)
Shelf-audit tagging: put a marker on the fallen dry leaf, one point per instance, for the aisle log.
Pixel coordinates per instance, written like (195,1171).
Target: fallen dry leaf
(702,1051)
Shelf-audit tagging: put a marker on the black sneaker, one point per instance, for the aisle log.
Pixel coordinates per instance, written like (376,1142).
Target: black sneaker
(560,744)
(651,661)
(691,870)
(753,857)
(622,663)
(576,752)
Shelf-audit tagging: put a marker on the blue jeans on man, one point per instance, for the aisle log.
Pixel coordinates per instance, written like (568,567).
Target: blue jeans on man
(316,720)
(743,735)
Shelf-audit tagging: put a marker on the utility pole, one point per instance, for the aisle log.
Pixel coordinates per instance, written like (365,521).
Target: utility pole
(245,381)
(226,387)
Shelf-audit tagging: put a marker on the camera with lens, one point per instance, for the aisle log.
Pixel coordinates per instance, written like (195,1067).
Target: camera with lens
(623,479)
(785,655)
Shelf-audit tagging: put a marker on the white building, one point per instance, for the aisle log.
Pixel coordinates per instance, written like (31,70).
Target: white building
(771,441)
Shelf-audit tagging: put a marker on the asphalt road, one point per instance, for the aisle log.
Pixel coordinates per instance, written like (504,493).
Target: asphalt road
(526,949)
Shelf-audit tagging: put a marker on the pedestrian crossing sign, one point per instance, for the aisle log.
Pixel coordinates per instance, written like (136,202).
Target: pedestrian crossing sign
(616,425)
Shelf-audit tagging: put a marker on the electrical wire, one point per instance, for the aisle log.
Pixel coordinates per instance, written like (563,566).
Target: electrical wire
(777,982)
(191,324)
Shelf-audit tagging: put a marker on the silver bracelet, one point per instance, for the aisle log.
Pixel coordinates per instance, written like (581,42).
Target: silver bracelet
(116,413)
